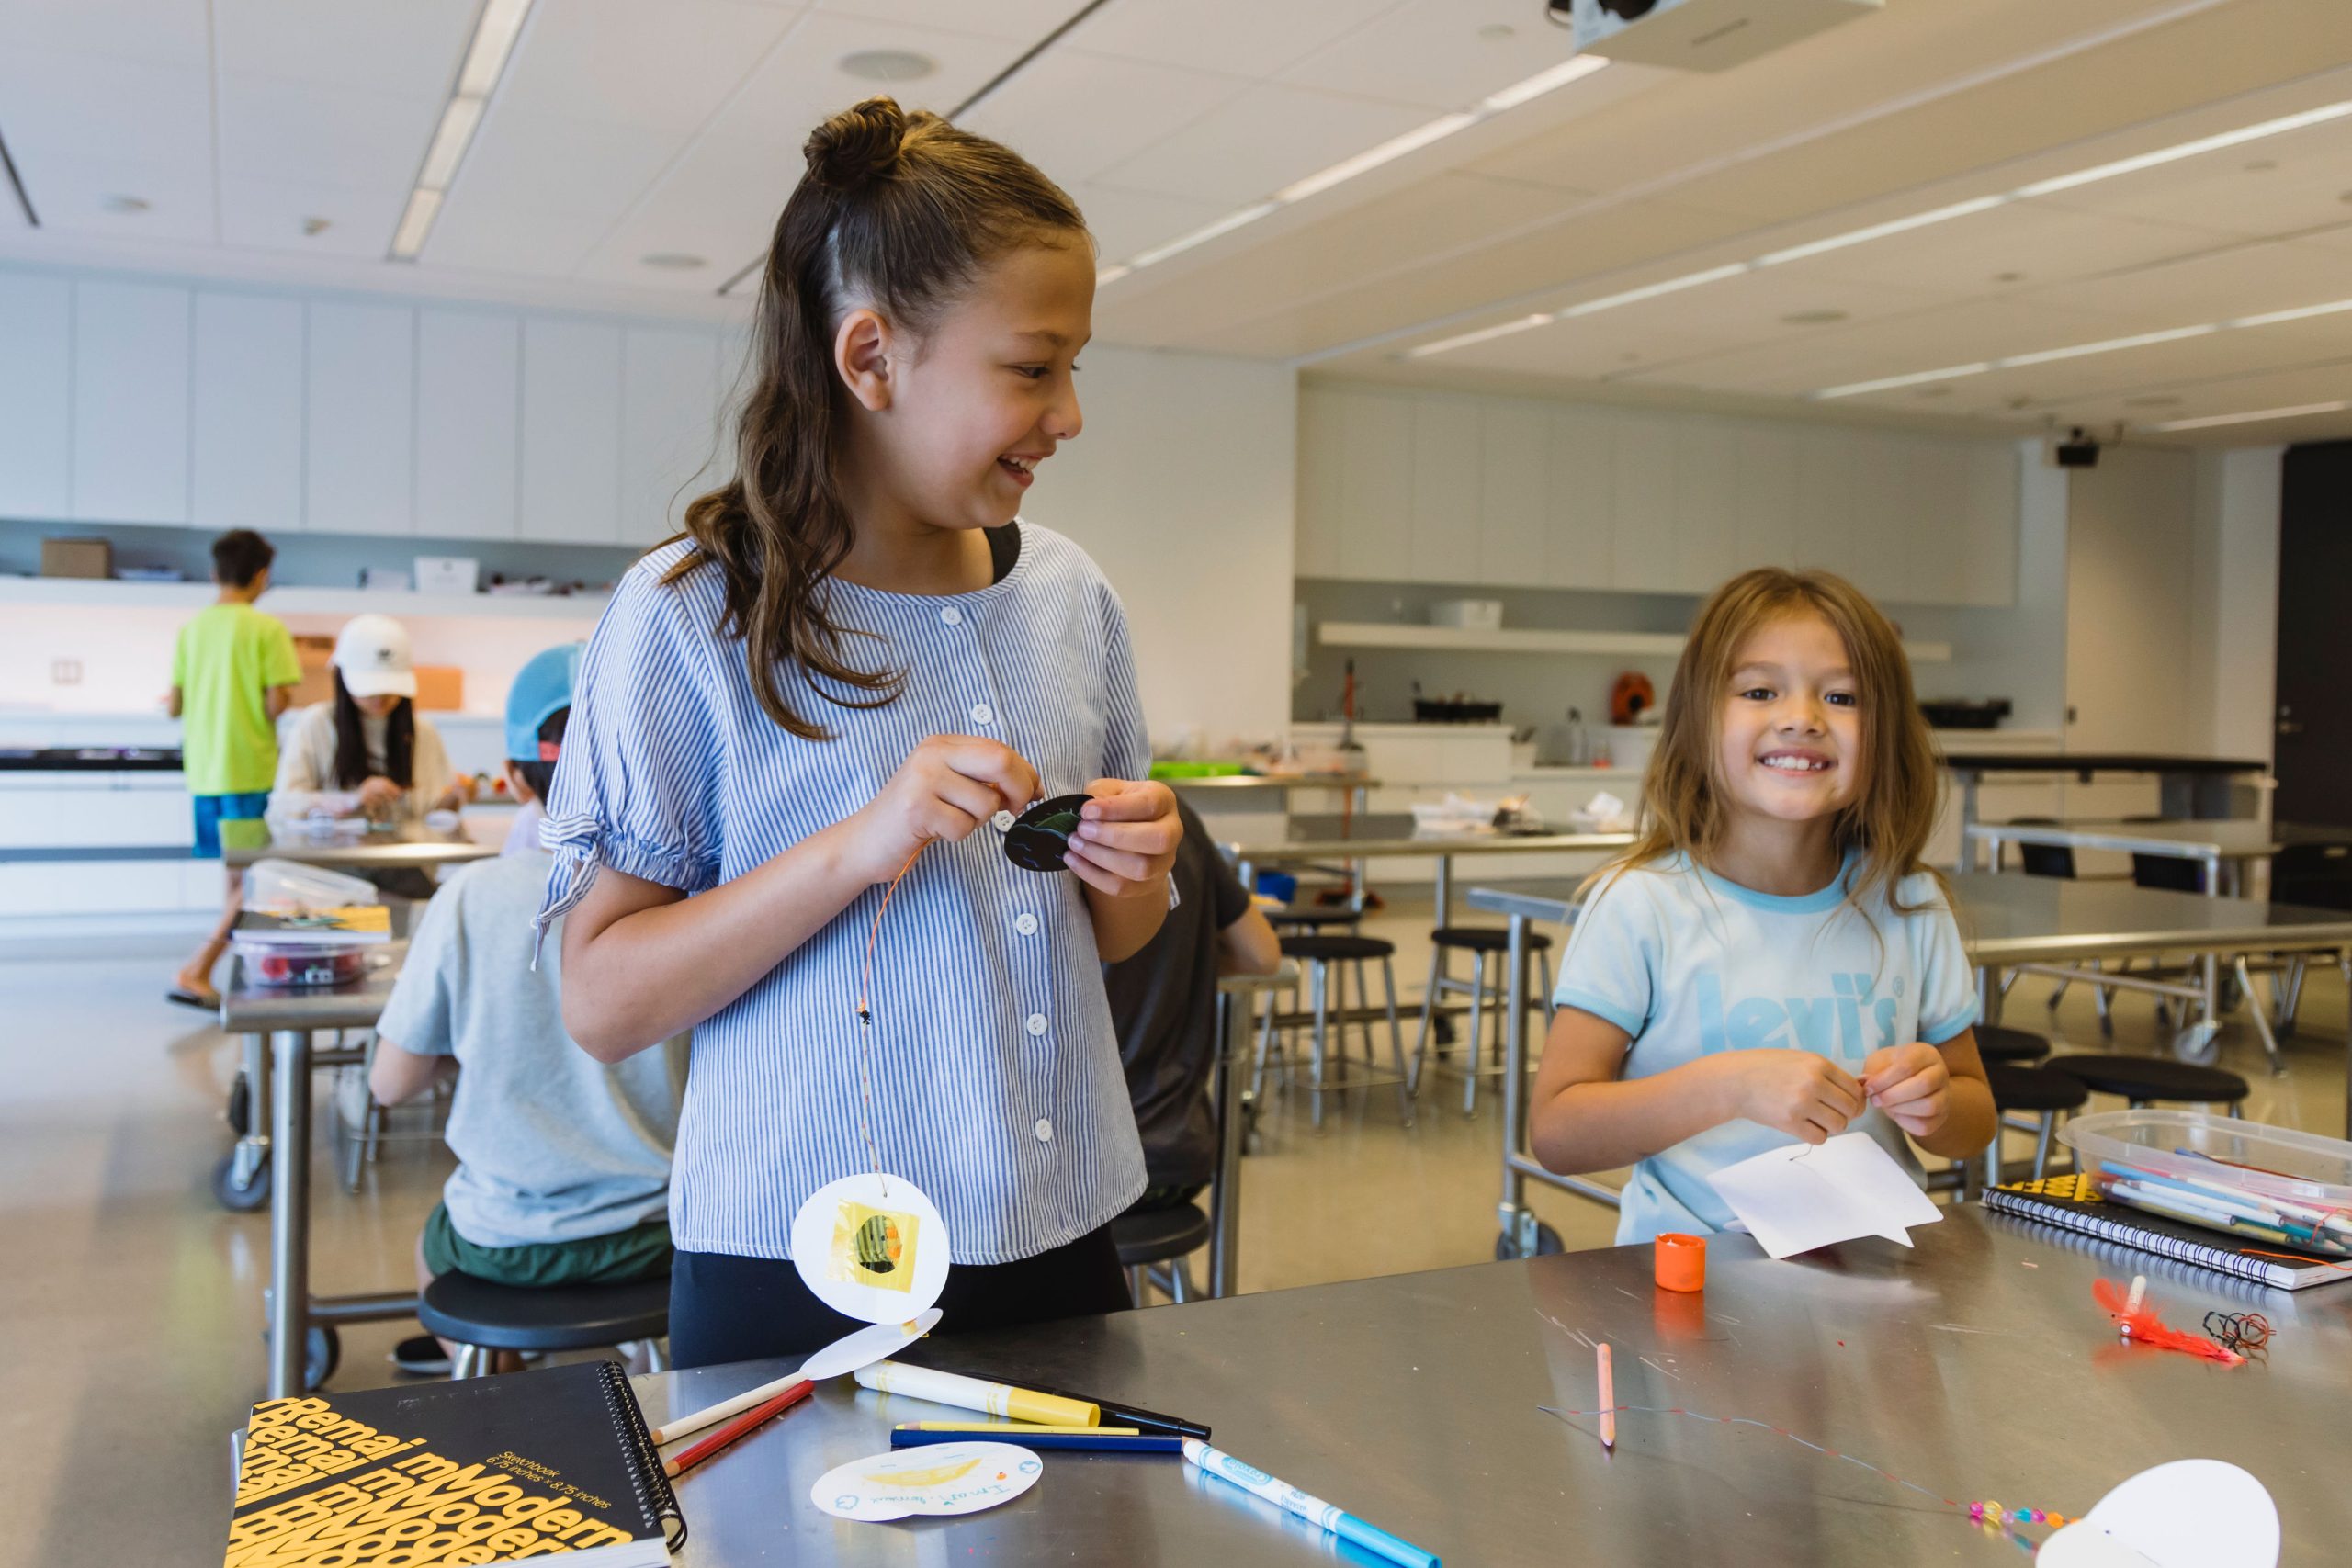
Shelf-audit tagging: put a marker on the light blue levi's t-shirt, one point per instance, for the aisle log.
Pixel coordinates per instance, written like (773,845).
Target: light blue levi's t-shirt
(1690,964)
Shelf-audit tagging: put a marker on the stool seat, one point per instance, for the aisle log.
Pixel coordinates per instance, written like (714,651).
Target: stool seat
(1484,939)
(1314,914)
(1337,948)
(1146,1236)
(558,1317)
(2152,1078)
(1996,1043)
(2034,1089)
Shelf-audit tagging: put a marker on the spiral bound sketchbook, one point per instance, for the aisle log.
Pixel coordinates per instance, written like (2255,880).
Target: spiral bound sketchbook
(486,1469)
(2073,1202)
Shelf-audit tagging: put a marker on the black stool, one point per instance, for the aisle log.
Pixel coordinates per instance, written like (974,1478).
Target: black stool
(1147,1238)
(2143,1081)
(483,1317)
(1481,942)
(1996,1043)
(1305,918)
(2035,1092)
(1322,954)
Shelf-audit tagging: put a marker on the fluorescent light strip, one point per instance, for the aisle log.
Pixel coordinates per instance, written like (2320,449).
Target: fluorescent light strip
(495,31)
(2210,421)
(2079,350)
(1541,319)
(1863,236)
(1363,162)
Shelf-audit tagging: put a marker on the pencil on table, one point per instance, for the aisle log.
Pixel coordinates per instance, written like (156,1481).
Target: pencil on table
(1607,1398)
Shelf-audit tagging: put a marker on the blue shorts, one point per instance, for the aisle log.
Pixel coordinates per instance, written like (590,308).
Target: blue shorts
(212,810)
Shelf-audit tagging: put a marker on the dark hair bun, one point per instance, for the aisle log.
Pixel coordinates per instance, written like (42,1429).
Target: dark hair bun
(857,145)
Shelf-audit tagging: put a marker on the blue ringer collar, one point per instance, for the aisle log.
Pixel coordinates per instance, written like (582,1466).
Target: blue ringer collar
(1812,903)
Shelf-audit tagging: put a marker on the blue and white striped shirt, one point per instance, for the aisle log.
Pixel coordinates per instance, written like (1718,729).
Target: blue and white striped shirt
(997,1084)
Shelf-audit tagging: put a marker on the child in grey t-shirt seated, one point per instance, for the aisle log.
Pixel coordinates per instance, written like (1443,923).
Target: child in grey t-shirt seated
(563,1162)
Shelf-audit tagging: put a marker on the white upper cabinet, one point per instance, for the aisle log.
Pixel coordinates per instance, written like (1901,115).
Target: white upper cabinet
(1580,501)
(571,431)
(361,399)
(1512,523)
(1706,505)
(469,395)
(246,441)
(1766,533)
(36,395)
(669,427)
(1322,421)
(131,402)
(1375,487)
(1447,455)
(1643,545)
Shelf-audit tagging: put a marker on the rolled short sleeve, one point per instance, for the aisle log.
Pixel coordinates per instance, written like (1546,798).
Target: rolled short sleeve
(420,1016)
(636,787)
(1947,979)
(280,665)
(1126,747)
(1610,968)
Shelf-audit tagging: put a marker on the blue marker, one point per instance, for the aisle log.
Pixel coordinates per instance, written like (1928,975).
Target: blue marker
(1313,1509)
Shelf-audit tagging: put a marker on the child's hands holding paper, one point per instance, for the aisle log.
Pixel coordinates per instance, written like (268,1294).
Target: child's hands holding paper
(1797,1092)
(1911,1084)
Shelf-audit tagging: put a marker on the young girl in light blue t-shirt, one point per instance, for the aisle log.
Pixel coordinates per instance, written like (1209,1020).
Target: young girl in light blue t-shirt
(1772,960)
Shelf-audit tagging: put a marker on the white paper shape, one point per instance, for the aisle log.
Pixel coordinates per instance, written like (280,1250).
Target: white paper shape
(878,1343)
(941,1478)
(1801,1196)
(2191,1513)
(826,1236)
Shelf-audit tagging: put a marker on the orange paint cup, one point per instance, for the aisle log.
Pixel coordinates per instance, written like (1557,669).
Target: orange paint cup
(1680,1261)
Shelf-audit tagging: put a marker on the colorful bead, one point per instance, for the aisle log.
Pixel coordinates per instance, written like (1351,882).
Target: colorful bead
(2040,1517)
(2023,1516)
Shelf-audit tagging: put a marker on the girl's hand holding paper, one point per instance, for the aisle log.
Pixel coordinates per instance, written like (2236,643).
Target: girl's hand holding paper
(1911,1084)
(1797,1092)
(946,790)
(1125,844)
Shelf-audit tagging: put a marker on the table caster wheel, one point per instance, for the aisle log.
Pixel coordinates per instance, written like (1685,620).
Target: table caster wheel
(241,1106)
(321,1353)
(240,1197)
(1547,1244)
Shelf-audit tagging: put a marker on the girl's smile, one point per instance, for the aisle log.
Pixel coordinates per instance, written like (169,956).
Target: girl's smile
(1791,721)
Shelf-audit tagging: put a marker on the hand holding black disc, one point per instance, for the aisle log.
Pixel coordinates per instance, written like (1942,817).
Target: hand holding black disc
(1039,839)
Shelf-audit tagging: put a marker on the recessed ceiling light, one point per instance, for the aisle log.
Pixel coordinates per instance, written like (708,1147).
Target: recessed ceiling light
(1495,32)
(2008,278)
(1935,391)
(125,204)
(1812,318)
(672,260)
(2153,400)
(317,225)
(2262,165)
(887,65)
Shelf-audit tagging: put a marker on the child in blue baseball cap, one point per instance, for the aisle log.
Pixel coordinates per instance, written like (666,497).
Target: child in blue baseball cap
(563,1162)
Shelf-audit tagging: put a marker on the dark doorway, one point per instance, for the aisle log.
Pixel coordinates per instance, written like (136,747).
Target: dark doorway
(2314,754)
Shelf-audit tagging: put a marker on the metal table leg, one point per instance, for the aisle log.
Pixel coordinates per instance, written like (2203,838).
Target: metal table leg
(289,1213)
(1225,1196)
(1517,1222)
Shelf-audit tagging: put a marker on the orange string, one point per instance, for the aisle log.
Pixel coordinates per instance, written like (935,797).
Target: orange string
(865,1025)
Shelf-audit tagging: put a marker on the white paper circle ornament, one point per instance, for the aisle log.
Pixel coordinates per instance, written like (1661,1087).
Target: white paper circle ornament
(2190,1513)
(945,1478)
(877,1342)
(871,1248)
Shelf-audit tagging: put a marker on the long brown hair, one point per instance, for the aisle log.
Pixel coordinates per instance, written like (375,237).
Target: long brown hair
(351,766)
(900,212)
(1894,809)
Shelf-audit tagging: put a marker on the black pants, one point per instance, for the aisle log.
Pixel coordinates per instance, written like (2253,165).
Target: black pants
(724,1308)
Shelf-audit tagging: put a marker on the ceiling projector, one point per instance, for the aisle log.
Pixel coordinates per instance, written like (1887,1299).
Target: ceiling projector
(1698,35)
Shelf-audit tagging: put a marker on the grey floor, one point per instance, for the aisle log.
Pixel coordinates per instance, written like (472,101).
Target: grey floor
(131,1303)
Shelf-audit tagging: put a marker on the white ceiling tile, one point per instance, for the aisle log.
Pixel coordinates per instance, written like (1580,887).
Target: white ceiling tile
(720,202)
(1025,22)
(156,33)
(95,108)
(2272,186)
(1250,36)
(272,129)
(1075,114)
(2044,244)
(512,239)
(661,66)
(70,194)
(1261,141)
(402,47)
(801,84)
(2241,281)
(560,163)
(1125,222)
(269,215)
(1438,53)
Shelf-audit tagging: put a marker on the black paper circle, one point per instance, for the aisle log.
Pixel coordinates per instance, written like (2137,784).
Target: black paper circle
(1038,840)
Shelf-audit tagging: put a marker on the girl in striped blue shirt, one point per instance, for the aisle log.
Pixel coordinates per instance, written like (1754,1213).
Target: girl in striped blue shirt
(855,651)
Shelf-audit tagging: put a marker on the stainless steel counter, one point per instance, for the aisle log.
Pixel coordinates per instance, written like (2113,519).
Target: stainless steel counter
(1354,840)
(412,845)
(1412,1400)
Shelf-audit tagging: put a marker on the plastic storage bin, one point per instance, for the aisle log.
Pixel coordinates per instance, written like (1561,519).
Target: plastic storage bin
(290,888)
(2253,1183)
(278,964)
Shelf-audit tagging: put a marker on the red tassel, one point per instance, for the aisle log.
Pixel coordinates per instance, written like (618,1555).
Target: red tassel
(2146,1328)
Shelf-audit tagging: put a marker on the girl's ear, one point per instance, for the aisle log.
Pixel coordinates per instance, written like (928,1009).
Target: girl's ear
(861,348)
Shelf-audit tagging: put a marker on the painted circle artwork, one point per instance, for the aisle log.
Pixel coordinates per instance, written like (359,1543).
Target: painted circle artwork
(1039,839)
(872,1247)
(946,1478)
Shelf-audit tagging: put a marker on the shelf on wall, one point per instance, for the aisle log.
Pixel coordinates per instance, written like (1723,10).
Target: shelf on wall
(1457,639)
(113,594)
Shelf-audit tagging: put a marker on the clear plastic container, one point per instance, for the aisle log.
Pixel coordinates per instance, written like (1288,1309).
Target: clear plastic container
(280,963)
(290,888)
(2253,1183)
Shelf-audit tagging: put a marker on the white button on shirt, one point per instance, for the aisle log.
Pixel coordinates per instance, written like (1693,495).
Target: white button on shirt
(951,616)
(1045,1131)
(1005,821)
(983,714)
(1026,923)
(1037,1025)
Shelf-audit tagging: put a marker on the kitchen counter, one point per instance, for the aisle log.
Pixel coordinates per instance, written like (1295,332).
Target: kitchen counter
(89,758)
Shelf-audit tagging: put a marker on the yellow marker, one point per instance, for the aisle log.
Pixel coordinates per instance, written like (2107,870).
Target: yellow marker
(973,1394)
(1029,1429)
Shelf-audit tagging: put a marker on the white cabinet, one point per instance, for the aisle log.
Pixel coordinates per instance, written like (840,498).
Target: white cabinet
(1445,491)
(1882,518)
(1322,421)
(669,434)
(130,398)
(1512,524)
(1825,532)
(36,395)
(245,438)
(1990,507)
(361,402)
(1376,488)
(571,431)
(1766,530)
(469,387)
(1642,524)
(1706,505)
(1580,501)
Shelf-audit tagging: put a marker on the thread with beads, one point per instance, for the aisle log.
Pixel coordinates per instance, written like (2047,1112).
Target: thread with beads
(865,1026)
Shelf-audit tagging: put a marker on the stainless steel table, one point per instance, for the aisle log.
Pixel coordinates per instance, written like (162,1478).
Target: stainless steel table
(412,845)
(2028,924)
(278,1078)
(1310,838)
(1412,1400)
(2221,848)
(2218,787)
(1358,786)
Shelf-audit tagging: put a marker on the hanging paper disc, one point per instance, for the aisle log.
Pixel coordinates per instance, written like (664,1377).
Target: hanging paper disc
(875,1342)
(1041,836)
(871,1248)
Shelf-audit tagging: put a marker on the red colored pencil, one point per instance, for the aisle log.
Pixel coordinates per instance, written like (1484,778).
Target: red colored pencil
(748,1421)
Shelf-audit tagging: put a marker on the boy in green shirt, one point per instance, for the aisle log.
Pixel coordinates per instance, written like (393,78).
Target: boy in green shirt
(234,672)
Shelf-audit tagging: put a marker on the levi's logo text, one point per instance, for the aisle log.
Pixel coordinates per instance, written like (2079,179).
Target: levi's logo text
(1851,1022)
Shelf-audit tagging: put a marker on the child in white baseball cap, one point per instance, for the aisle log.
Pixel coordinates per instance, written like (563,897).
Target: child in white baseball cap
(369,740)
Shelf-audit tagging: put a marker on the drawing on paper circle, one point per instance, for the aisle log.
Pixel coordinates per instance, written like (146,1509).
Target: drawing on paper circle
(871,1246)
(949,1478)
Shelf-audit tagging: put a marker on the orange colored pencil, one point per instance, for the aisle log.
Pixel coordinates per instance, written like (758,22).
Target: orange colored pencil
(1607,1399)
(741,1426)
